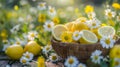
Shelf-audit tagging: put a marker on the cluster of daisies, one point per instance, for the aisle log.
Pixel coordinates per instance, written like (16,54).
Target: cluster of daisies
(29,33)
(26,58)
(52,57)
(51,12)
(97,58)
(72,61)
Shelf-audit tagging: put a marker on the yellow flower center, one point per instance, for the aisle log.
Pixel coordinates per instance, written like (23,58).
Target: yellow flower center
(54,57)
(5,42)
(47,48)
(66,37)
(70,61)
(107,41)
(95,57)
(118,53)
(110,14)
(80,66)
(27,56)
(32,35)
(17,42)
(42,5)
(49,26)
(56,20)
(51,10)
(93,24)
(76,35)
(116,63)
(24,61)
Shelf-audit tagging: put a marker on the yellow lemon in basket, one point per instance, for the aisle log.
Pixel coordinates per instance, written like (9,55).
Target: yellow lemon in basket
(33,47)
(106,31)
(95,30)
(14,51)
(88,37)
(69,25)
(115,51)
(81,19)
(80,26)
(57,31)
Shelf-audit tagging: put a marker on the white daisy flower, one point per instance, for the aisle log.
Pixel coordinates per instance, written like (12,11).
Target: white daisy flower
(96,58)
(91,15)
(94,23)
(47,48)
(109,13)
(32,35)
(81,65)
(71,62)
(48,26)
(41,6)
(20,19)
(28,55)
(23,2)
(53,57)
(118,18)
(24,60)
(15,28)
(31,26)
(97,52)
(33,10)
(117,62)
(76,35)
(20,41)
(7,65)
(29,18)
(6,44)
(51,11)
(107,42)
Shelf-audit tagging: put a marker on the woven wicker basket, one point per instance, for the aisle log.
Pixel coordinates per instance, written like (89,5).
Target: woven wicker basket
(81,51)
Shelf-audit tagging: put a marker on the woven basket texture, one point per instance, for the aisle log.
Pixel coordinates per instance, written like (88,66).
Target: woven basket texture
(81,51)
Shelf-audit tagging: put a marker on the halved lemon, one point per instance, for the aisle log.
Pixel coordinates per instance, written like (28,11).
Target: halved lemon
(88,37)
(58,30)
(106,31)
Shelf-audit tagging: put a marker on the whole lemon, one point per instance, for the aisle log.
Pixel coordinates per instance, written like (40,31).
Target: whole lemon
(115,51)
(14,52)
(32,47)
(80,26)
(69,25)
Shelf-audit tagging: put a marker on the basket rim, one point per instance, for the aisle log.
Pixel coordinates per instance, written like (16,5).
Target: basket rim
(73,43)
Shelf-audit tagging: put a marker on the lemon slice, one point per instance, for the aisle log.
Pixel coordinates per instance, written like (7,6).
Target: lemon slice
(106,31)
(88,37)
(58,30)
